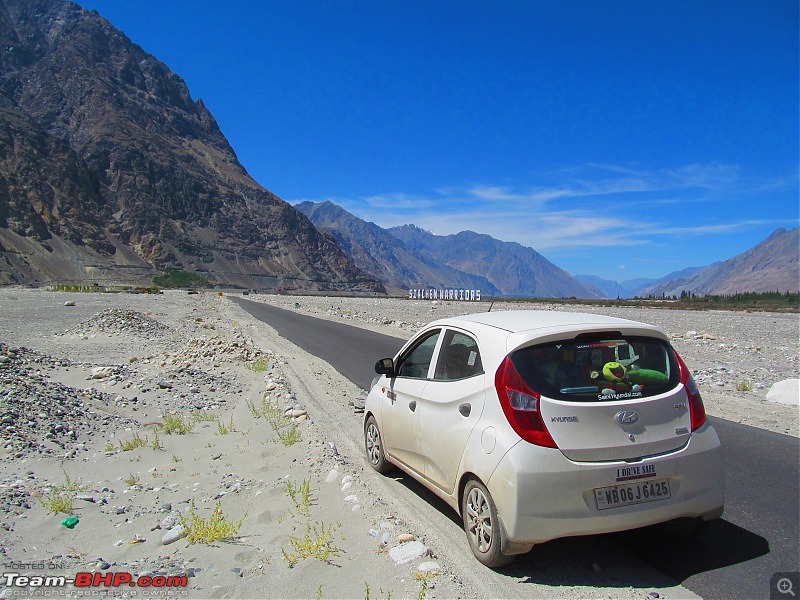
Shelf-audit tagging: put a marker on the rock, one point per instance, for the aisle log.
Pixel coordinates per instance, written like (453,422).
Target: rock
(173,535)
(332,475)
(102,372)
(785,392)
(351,498)
(347,486)
(69,303)
(405,553)
(405,537)
(169,522)
(428,567)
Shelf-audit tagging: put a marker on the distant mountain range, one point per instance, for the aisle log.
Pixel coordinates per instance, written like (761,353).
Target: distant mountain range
(772,265)
(408,256)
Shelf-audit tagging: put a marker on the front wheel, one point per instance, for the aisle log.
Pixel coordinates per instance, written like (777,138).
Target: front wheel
(373,443)
(482,525)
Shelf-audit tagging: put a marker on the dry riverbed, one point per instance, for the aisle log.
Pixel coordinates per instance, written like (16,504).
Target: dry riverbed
(157,419)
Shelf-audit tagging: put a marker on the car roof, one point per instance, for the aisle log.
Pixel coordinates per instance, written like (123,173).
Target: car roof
(518,321)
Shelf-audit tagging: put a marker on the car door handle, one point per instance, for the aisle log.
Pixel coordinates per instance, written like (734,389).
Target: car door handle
(465,409)
(412,405)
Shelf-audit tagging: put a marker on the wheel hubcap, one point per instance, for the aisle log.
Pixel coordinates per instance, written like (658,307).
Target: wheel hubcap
(479,520)
(373,444)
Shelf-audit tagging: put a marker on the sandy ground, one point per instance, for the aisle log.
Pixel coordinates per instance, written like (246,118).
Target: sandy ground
(314,520)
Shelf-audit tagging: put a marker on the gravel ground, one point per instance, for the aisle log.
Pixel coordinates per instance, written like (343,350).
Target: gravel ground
(82,375)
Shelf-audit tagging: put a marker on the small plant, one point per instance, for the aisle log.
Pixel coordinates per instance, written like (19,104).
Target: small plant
(132,480)
(58,504)
(316,543)
(744,386)
(203,416)
(132,444)
(175,458)
(300,495)
(156,444)
(176,424)
(289,436)
(259,365)
(109,447)
(423,577)
(223,429)
(59,499)
(207,531)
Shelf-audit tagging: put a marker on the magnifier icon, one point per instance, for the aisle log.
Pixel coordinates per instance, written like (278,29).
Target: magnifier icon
(784,586)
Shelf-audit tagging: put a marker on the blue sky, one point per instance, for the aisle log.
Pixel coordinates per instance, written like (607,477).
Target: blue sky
(620,138)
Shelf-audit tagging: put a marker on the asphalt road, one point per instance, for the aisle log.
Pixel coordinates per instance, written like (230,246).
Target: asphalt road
(737,556)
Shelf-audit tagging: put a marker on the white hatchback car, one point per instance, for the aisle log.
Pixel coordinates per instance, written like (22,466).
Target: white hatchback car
(536,425)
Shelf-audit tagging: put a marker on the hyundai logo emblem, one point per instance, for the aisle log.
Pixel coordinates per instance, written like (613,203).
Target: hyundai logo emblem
(627,417)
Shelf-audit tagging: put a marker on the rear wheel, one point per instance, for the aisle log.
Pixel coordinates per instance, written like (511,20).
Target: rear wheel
(684,528)
(374,447)
(482,525)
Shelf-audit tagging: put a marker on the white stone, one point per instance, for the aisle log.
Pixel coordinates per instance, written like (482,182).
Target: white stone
(173,535)
(332,475)
(347,486)
(405,553)
(428,566)
(785,392)
(101,372)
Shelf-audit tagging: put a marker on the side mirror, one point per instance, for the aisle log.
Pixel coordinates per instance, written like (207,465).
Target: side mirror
(385,366)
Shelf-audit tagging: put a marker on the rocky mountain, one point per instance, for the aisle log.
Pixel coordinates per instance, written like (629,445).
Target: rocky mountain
(606,287)
(376,252)
(109,170)
(769,266)
(515,270)
(407,257)
(632,288)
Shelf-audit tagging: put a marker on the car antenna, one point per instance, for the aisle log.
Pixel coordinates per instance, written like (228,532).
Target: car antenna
(491,304)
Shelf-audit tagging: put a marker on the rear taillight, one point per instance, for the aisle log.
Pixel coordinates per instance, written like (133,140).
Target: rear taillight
(521,406)
(696,409)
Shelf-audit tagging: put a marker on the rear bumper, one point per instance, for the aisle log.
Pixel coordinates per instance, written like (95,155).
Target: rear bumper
(541,495)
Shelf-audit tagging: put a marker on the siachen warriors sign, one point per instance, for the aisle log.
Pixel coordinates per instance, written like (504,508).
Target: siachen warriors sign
(443,294)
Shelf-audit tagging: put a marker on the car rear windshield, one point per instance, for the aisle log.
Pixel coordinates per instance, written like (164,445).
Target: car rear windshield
(598,369)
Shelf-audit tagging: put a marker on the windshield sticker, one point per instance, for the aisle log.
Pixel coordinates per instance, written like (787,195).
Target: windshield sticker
(608,394)
(472,356)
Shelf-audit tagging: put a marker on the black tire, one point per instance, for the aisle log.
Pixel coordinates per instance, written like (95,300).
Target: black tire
(373,444)
(482,525)
(684,528)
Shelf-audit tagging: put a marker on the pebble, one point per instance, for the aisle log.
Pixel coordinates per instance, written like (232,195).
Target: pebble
(405,537)
(428,566)
(332,475)
(405,553)
(173,535)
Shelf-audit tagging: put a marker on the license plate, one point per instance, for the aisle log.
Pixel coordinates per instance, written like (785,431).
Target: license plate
(631,493)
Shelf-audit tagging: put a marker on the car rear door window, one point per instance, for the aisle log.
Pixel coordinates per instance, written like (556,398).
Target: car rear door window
(594,370)
(459,357)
